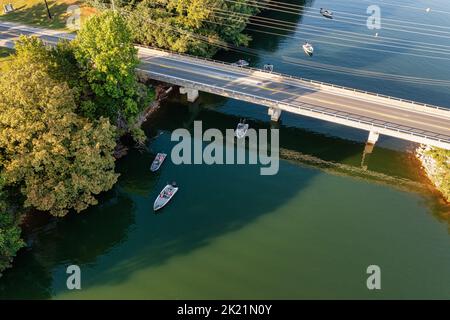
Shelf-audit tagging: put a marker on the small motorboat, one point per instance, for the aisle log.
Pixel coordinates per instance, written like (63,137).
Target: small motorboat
(326,13)
(308,48)
(241,129)
(164,196)
(268,67)
(240,63)
(159,159)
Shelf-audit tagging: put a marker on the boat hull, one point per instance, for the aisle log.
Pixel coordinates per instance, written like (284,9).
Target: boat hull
(164,197)
(241,131)
(158,161)
(308,52)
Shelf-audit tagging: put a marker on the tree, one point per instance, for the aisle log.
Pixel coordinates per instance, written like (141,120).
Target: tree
(199,27)
(59,159)
(105,52)
(10,241)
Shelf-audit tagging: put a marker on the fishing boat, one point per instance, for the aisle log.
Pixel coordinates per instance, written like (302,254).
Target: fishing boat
(308,48)
(240,63)
(159,159)
(241,129)
(165,196)
(268,67)
(326,13)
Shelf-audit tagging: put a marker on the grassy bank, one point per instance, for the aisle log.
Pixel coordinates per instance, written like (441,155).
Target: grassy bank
(34,12)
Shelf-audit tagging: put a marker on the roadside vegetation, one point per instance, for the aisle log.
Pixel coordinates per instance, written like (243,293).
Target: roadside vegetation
(62,110)
(199,27)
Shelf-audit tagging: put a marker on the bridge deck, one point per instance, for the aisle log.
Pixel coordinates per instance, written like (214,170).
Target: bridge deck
(414,122)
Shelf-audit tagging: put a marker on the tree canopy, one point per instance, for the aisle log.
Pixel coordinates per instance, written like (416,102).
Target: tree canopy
(107,57)
(10,241)
(59,159)
(199,27)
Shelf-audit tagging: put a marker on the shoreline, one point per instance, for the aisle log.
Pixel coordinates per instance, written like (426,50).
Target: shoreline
(434,171)
(161,93)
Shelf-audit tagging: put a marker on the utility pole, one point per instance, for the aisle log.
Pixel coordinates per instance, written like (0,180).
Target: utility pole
(48,10)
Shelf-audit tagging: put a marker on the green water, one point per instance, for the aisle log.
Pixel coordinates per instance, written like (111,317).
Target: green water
(308,232)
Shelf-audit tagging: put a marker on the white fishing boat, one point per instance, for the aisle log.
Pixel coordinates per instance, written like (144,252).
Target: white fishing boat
(240,63)
(308,48)
(241,129)
(165,196)
(268,67)
(159,159)
(326,13)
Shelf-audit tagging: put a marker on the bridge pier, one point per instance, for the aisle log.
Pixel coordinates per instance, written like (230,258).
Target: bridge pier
(274,114)
(373,137)
(192,94)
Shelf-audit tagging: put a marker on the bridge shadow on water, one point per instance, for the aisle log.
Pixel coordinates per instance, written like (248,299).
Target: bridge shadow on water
(122,235)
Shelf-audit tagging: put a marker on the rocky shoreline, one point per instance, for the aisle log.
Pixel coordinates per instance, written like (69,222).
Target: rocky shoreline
(161,92)
(435,172)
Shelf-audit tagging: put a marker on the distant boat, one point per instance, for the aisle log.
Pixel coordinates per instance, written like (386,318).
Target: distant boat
(268,67)
(240,63)
(308,48)
(165,196)
(241,129)
(326,13)
(157,162)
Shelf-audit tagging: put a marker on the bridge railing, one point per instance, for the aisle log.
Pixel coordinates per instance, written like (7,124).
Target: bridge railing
(374,123)
(415,103)
(70,36)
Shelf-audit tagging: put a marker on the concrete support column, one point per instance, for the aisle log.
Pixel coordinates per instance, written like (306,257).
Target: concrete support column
(192,94)
(274,114)
(373,137)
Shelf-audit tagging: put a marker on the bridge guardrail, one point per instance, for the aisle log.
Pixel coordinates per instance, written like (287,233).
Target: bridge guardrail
(60,34)
(325,111)
(301,79)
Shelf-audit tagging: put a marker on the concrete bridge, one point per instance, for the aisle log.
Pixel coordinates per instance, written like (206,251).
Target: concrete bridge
(375,113)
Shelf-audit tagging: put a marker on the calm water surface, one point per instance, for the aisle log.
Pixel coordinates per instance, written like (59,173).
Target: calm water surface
(308,232)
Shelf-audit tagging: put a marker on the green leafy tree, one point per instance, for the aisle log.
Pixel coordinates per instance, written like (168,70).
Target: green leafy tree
(199,27)
(59,159)
(105,52)
(10,241)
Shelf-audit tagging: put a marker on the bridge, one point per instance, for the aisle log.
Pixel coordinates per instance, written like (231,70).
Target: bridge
(375,113)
